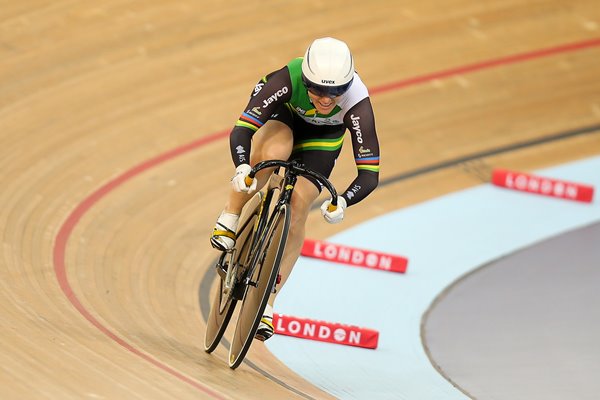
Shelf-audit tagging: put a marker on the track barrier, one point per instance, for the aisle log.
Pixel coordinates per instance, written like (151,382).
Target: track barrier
(544,186)
(354,256)
(322,331)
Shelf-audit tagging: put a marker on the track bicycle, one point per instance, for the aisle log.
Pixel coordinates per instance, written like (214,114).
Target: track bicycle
(249,271)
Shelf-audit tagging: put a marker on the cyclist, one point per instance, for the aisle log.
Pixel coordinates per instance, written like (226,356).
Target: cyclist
(302,111)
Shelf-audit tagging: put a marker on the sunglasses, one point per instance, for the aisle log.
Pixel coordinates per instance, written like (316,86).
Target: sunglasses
(325,91)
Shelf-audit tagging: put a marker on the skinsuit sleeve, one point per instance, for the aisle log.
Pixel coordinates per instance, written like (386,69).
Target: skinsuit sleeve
(267,96)
(360,121)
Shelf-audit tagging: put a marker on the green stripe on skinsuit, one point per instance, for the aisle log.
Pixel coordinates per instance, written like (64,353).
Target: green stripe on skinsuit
(368,168)
(246,125)
(320,144)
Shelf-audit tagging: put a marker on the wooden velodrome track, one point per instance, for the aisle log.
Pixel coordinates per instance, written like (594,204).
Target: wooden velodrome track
(114,160)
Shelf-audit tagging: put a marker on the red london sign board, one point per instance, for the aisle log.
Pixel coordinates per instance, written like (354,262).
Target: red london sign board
(322,331)
(524,182)
(354,256)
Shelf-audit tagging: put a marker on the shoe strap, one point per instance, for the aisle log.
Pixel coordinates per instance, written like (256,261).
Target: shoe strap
(224,231)
(228,234)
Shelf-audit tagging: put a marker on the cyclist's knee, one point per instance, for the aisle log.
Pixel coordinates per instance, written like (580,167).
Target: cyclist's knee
(272,151)
(305,193)
(273,141)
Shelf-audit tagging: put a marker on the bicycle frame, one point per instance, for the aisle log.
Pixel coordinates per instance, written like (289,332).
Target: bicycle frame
(250,271)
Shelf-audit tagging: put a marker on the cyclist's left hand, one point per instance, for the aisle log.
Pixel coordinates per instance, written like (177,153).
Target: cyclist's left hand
(337,215)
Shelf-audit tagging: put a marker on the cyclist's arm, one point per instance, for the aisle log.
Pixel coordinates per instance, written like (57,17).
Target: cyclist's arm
(272,91)
(360,121)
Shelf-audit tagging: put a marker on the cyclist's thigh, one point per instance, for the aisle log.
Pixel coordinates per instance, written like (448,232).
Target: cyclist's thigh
(274,140)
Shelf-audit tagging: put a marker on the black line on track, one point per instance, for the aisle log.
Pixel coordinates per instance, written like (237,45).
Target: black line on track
(492,152)
(208,278)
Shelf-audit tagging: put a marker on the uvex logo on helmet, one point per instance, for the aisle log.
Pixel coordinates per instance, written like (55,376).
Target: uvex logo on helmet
(327,82)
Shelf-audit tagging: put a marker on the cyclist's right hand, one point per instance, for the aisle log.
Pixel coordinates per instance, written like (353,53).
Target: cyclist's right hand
(238,181)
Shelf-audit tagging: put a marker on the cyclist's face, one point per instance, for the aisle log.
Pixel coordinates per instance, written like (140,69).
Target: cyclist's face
(323,104)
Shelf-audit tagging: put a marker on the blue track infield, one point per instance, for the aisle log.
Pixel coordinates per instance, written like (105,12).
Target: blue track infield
(444,239)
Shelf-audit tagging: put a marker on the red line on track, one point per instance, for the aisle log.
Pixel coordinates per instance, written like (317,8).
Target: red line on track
(73,219)
(512,59)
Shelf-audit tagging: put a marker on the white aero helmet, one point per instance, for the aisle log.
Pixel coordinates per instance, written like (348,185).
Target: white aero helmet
(328,67)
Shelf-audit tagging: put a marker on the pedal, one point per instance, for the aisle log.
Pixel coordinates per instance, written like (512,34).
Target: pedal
(222,266)
(222,271)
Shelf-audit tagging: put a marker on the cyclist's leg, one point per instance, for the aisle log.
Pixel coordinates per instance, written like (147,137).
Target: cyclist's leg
(305,194)
(274,140)
(317,149)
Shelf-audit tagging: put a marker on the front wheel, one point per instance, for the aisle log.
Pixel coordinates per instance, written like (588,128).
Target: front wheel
(263,277)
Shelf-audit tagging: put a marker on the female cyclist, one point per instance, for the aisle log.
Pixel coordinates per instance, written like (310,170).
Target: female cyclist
(301,112)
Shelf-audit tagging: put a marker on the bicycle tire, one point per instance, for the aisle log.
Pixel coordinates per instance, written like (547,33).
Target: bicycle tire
(265,275)
(220,313)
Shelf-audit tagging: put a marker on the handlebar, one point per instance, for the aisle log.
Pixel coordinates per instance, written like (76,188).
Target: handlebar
(295,168)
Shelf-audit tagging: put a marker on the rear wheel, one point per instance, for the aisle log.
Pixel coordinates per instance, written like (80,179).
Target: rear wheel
(224,301)
(264,275)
